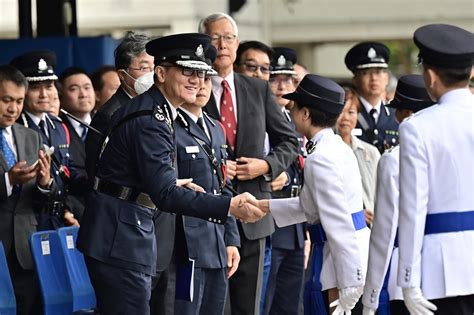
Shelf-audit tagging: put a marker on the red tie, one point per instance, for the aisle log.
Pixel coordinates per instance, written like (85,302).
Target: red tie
(227,115)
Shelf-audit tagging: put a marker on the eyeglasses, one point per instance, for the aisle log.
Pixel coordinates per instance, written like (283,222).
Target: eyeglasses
(142,69)
(189,72)
(229,38)
(254,68)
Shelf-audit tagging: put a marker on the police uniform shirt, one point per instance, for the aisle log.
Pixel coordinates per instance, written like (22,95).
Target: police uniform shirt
(195,119)
(217,91)
(368,107)
(37,120)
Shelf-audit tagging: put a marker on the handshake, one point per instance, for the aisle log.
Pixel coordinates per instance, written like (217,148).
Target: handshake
(247,208)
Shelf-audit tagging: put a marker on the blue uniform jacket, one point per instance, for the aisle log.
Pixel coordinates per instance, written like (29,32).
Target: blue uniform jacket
(206,241)
(383,135)
(140,154)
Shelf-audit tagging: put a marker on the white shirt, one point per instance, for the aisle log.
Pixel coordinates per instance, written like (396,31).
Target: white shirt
(368,107)
(195,119)
(7,132)
(37,120)
(217,90)
(78,127)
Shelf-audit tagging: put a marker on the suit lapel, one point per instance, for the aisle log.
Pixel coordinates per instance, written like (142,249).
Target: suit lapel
(19,136)
(243,107)
(383,117)
(211,108)
(80,145)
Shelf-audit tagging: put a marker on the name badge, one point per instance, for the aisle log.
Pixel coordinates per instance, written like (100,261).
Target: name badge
(192,149)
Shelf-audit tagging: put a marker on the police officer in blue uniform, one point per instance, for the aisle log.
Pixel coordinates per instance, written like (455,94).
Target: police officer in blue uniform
(202,155)
(368,61)
(285,282)
(136,173)
(38,68)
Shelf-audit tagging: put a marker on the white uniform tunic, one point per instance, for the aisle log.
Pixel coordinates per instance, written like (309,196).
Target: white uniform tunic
(437,176)
(383,232)
(332,191)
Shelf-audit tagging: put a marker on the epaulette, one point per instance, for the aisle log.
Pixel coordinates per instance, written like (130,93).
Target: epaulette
(209,119)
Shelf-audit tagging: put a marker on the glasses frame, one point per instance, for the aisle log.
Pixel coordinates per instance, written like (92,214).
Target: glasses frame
(142,69)
(187,72)
(228,38)
(263,69)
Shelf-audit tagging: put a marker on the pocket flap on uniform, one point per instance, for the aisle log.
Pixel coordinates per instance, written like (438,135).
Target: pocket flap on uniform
(139,219)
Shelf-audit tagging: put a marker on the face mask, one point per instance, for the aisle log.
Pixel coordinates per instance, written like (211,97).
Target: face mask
(143,83)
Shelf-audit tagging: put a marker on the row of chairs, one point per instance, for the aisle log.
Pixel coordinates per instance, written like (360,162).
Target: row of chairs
(62,273)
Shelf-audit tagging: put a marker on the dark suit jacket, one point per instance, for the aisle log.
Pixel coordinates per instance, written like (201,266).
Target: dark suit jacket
(206,241)
(140,155)
(258,113)
(382,135)
(101,122)
(17,212)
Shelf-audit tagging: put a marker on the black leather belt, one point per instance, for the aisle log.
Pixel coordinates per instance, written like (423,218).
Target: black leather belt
(123,193)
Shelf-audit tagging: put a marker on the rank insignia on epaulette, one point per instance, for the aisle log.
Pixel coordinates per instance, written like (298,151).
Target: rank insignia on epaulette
(159,114)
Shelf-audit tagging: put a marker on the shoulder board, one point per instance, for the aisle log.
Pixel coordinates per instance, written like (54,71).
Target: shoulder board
(159,114)
(209,118)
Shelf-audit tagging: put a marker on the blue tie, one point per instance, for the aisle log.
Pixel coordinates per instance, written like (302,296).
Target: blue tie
(7,151)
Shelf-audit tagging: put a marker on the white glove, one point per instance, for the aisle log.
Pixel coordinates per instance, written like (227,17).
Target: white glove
(368,311)
(416,303)
(348,298)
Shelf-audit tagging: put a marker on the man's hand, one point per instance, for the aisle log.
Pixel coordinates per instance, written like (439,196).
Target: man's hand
(279,182)
(250,168)
(233,259)
(69,219)
(20,173)
(369,216)
(416,303)
(43,175)
(244,207)
(188,182)
(348,298)
(231,169)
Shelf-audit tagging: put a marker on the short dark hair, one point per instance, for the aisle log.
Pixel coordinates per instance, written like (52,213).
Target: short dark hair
(10,73)
(132,45)
(70,72)
(318,117)
(96,77)
(452,76)
(252,44)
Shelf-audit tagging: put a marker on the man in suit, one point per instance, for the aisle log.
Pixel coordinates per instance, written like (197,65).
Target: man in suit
(368,61)
(24,187)
(285,284)
(253,59)
(436,222)
(247,109)
(381,291)
(136,174)
(132,62)
(38,68)
(213,247)
(106,82)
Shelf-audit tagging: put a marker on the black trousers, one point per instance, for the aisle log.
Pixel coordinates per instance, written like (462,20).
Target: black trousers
(119,291)
(459,305)
(163,292)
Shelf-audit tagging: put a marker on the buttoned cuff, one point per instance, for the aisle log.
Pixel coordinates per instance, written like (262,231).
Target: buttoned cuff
(8,186)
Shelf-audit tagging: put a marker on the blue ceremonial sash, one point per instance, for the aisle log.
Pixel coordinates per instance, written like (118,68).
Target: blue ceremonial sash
(314,302)
(449,222)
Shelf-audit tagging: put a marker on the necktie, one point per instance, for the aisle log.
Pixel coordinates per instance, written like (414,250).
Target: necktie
(373,115)
(42,126)
(84,133)
(227,115)
(7,151)
(200,123)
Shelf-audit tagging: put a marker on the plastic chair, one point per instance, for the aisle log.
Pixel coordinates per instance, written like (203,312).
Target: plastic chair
(83,295)
(7,295)
(52,273)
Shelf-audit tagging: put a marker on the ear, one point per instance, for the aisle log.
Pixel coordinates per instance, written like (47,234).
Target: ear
(306,114)
(431,79)
(121,75)
(160,73)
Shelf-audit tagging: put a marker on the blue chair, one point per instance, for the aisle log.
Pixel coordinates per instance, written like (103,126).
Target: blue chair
(83,295)
(52,273)
(7,295)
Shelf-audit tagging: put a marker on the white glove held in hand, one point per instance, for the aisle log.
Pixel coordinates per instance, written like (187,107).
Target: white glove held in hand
(348,298)
(368,311)
(416,303)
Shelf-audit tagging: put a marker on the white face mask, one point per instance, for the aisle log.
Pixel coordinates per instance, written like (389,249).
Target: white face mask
(142,83)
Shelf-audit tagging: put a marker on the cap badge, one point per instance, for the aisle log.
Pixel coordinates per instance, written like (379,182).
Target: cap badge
(281,61)
(200,51)
(42,65)
(371,53)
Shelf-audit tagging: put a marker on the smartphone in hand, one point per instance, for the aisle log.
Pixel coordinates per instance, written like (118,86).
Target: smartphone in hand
(47,150)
